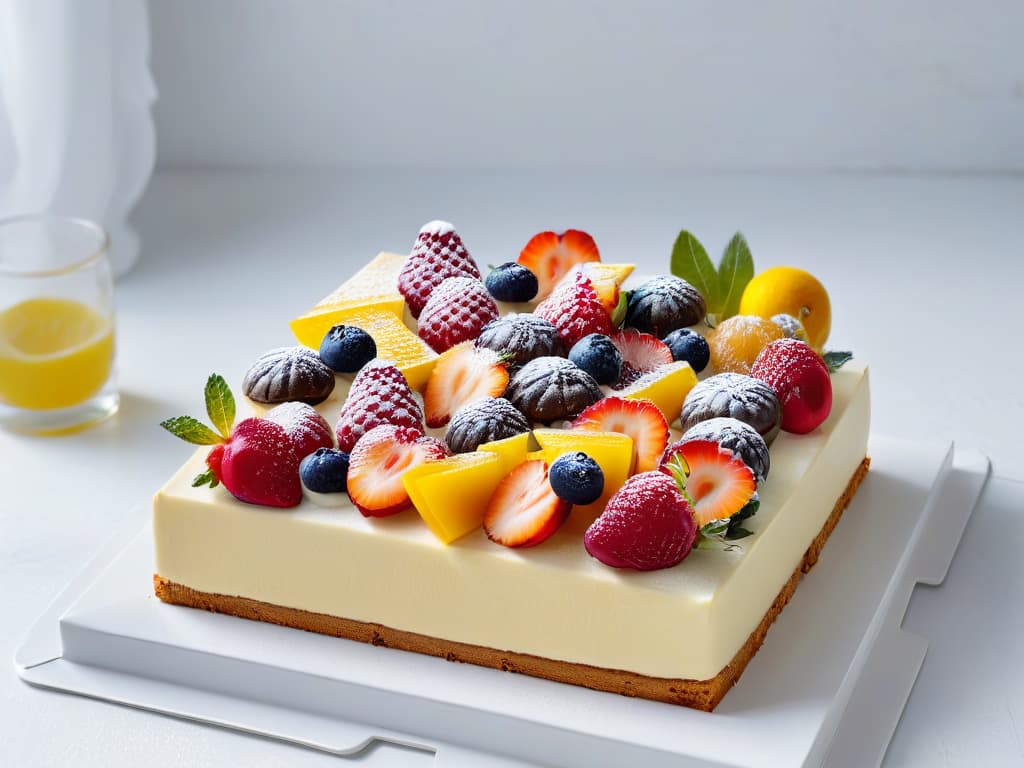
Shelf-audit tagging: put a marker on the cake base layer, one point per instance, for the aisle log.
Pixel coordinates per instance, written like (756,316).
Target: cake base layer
(699,694)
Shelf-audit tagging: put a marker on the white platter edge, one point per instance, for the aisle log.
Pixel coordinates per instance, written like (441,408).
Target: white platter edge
(852,725)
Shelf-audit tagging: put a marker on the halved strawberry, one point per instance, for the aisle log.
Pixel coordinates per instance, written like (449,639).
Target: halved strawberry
(523,511)
(642,420)
(462,375)
(377,464)
(549,256)
(717,481)
(575,309)
(641,353)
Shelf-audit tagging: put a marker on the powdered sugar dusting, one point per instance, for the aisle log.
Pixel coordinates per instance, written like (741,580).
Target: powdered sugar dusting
(437,227)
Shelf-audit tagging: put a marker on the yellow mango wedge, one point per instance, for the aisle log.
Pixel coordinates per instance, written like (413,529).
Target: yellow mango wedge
(613,452)
(451,494)
(513,450)
(666,387)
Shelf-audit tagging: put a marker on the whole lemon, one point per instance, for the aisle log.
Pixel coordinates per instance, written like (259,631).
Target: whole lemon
(790,291)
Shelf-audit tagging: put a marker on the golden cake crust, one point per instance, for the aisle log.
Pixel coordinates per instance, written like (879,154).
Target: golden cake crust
(699,694)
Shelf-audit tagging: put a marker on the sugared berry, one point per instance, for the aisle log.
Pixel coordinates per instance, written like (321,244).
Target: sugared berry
(576,478)
(598,356)
(511,282)
(690,346)
(346,348)
(325,471)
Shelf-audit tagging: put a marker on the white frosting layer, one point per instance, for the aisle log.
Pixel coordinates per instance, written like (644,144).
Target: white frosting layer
(554,600)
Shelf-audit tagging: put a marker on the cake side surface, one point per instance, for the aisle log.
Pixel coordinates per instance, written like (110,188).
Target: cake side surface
(699,694)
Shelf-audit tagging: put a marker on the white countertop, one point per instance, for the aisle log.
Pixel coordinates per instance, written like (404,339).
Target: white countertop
(925,275)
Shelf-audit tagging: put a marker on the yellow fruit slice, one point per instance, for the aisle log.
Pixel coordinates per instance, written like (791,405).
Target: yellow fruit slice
(395,342)
(666,386)
(735,343)
(451,494)
(512,450)
(375,285)
(790,291)
(613,451)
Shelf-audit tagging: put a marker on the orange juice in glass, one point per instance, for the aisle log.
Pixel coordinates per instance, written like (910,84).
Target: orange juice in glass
(56,325)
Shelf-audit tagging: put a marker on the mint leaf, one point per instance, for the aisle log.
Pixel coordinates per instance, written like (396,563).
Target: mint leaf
(619,313)
(691,262)
(738,533)
(734,272)
(836,360)
(220,404)
(191,431)
(205,478)
(715,528)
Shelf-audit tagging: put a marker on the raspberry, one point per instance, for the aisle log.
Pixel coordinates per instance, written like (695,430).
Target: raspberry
(576,310)
(379,395)
(457,311)
(437,255)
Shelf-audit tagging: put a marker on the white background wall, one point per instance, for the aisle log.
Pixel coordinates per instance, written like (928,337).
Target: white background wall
(794,84)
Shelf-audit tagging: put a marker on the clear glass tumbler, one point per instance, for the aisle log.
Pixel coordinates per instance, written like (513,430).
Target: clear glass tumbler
(56,325)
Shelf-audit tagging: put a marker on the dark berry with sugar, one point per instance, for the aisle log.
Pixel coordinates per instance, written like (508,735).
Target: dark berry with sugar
(576,478)
(346,348)
(598,356)
(512,282)
(689,346)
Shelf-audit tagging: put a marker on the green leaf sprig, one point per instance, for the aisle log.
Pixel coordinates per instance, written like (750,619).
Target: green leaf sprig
(721,288)
(220,408)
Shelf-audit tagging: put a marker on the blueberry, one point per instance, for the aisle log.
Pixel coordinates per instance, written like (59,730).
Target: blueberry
(325,471)
(689,346)
(511,281)
(346,348)
(598,356)
(576,478)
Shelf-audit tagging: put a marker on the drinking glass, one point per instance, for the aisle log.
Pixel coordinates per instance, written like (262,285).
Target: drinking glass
(56,325)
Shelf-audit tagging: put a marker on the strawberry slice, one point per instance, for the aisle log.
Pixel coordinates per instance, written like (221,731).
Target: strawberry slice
(462,375)
(717,481)
(550,255)
(641,354)
(641,419)
(523,510)
(377,464)
(575,309)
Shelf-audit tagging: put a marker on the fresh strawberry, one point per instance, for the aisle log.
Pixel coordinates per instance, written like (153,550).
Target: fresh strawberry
(306,428)
(379,460)
(456,311)
(549,256)
(255,460)
(379,395)
(648,524)
(259,465)
(604,282)
(800,379)
(642,420)
(716,481)
(523,511)
(575,309)
(462,375)
(641,353)
(437,254)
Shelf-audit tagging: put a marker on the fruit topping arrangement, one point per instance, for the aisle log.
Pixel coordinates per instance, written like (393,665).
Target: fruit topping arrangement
(506,404)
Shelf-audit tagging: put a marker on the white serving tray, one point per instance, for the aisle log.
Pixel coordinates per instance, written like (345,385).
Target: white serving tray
(827,687)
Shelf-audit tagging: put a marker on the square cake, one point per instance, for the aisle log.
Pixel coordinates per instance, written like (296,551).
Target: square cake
(434,577)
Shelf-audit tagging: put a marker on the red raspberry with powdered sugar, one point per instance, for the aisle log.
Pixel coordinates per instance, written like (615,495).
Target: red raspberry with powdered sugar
(379,395)
(437,255)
